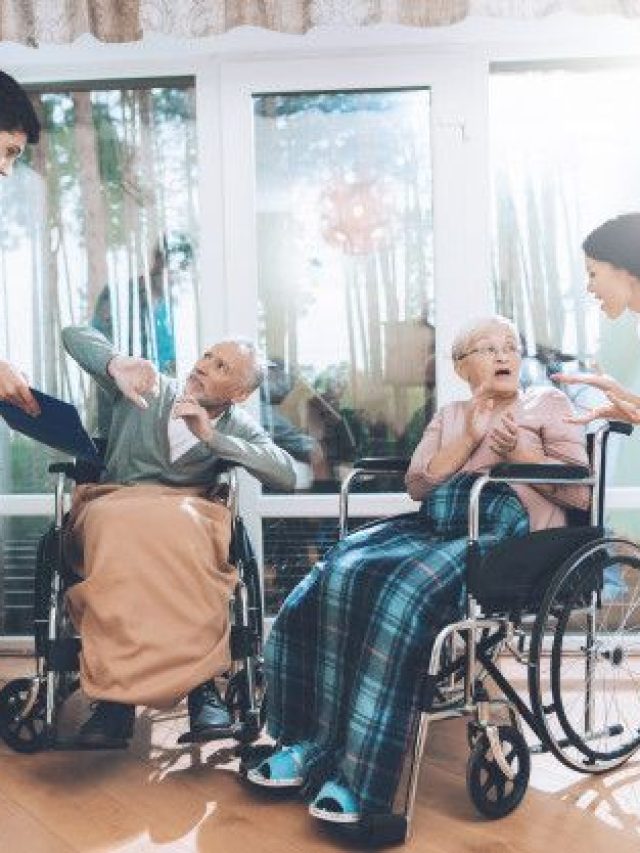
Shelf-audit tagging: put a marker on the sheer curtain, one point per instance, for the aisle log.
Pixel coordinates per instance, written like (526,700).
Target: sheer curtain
(41,21)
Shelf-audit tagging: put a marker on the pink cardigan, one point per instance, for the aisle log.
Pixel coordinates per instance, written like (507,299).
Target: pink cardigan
(540,413)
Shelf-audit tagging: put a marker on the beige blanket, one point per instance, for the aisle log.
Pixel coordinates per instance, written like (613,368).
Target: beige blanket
(153,610)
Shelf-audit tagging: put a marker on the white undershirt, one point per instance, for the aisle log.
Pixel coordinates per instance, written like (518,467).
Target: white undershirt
(181,439)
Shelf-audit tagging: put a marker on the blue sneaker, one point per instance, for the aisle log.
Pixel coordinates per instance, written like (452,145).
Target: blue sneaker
(335,803)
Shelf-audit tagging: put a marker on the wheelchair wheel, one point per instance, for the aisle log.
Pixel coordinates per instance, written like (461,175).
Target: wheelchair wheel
(493,794)
(22,720)
(47,559)
(585,656)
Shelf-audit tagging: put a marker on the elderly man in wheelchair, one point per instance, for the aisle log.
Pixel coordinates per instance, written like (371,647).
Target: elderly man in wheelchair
(374,642)
(149,545)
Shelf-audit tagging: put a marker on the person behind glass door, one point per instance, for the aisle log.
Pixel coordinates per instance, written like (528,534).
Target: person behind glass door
(612,259)
(156,334)
(19,126)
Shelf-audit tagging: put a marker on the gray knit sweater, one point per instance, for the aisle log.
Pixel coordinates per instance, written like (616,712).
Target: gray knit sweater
(138,443)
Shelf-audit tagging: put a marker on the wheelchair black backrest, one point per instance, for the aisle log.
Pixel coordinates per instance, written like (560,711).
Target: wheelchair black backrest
(493,582)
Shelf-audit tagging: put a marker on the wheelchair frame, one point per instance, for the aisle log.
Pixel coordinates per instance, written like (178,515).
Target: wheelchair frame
(29,706)
(499,758)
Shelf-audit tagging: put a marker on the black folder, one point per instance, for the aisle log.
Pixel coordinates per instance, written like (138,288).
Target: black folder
(58,425)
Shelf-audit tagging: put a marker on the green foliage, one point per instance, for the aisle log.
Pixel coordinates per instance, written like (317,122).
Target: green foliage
(29,465)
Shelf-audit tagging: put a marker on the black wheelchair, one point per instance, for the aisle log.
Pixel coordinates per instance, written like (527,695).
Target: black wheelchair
(565,604)
(29,707)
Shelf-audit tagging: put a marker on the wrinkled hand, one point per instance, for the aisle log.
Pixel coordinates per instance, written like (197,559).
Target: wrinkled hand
(503,438)
(194,415)
(605,383)
(15,389)
(479,415)
(615,410)
(134,377)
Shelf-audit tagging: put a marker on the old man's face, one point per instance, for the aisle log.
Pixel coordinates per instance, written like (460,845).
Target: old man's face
(222,375)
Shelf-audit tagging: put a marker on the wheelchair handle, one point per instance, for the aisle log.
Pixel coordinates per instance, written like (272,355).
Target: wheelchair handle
(382,464)
(620,427)
(363,469)
(532,473)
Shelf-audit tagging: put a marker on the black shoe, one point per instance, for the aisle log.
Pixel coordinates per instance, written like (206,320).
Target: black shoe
(109,727)
(207,711)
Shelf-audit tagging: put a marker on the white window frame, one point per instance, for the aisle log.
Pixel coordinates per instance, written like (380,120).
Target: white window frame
(460,200)
(226,81)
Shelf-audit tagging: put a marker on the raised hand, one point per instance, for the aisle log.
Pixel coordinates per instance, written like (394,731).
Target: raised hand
(15,389)
(615,410)
(135,377)
(623,405)
(194,415)
(503,438)
(605,383)
(479,415)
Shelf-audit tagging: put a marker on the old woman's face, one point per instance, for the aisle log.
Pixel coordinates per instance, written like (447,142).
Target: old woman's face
(492,358)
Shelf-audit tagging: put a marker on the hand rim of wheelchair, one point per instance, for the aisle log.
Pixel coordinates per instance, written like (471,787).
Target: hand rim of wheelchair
(13,726)
(484,774)
(590,760)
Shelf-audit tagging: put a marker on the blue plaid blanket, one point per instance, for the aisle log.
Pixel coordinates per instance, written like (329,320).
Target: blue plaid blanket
(346,651)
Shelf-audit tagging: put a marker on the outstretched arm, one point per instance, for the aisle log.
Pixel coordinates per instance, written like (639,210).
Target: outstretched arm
(623,404)
(129,376)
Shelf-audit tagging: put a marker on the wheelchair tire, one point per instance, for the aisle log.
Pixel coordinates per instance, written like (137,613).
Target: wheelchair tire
(584,693)
(47,559)
(22,733)
(491,792)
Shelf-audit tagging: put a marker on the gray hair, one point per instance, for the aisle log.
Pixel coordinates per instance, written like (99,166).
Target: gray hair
(474,329)
(258,368)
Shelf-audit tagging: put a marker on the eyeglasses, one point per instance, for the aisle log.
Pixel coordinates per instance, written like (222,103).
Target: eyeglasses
(492,351)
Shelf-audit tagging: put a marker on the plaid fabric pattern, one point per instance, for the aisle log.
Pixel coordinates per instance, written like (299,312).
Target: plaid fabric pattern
(345,653)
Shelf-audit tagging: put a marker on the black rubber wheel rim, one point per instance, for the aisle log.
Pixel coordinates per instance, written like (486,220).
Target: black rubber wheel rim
(491,792)
(23,734)
(590,580)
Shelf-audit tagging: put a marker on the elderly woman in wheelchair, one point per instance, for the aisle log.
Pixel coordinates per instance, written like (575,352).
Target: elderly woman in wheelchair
(345,660)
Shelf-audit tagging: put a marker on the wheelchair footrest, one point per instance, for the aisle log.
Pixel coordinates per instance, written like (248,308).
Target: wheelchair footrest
(243,732)
(381,829)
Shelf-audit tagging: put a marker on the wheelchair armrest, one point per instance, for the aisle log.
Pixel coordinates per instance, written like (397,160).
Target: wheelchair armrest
(80,471)
(382,465)
(542,472)
(620,427)
(66,468)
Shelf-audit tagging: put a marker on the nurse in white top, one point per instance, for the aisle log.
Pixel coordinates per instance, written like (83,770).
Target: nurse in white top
(612,257)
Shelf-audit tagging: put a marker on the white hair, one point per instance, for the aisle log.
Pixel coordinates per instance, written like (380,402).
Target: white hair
(474,329)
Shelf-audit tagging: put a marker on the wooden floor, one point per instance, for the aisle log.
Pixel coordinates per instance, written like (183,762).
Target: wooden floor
(160,797)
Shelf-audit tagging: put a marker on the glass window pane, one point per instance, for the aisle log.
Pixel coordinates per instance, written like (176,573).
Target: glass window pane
(564,156)
(19,537)
(98,226)
(291,548)
(345,260)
